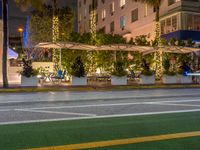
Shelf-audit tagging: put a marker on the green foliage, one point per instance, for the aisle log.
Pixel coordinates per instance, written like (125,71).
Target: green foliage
(119,69)
(172,41)
(101,38)
(28,71)
(69,57)
(142,40)
(166,64)
(78,69)
(40,24)
(190,43)
(163,42)
(146,64)
(103,60)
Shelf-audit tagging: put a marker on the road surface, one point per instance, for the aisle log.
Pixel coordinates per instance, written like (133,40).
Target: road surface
(54,106)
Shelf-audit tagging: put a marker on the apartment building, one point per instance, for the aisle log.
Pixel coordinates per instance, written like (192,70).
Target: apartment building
(131,18)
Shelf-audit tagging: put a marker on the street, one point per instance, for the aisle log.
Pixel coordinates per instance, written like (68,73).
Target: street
(54,106)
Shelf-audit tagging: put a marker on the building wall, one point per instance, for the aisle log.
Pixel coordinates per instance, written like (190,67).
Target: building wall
(173,14)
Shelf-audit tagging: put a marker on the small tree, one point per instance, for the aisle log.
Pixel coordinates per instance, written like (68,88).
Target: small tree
(78,68)
(28,70)
(119,69)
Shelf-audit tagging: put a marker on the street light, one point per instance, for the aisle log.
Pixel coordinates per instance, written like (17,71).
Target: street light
(20,30)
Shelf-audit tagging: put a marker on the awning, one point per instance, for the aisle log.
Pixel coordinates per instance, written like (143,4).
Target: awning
(12,54)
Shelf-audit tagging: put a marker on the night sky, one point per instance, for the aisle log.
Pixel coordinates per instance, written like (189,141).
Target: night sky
(17,18)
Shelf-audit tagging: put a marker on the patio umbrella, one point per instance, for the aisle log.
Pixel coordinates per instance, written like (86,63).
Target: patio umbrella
(12,54)
(65,45)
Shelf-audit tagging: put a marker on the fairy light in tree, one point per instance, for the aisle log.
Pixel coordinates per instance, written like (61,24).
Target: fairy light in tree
(93,20)
(158,57)
(55,37)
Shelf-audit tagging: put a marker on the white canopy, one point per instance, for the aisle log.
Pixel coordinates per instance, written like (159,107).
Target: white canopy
(80,46)
(12,54)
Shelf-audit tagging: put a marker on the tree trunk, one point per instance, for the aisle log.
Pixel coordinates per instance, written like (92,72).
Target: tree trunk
(159,54)
(5,42)
(55,34)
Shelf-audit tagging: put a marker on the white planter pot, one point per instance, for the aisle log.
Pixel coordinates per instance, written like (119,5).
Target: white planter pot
(29,82)
(166,79)
(185,79)
(78,81)
(147,79)
(119,80)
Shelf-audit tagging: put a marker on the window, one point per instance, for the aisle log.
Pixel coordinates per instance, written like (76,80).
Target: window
(122,3)
(80,17)
(103,14)
(162,26)
(85,13)
(112,8)
(145,10)
(79,3)
(189,24)
(122,22)
(174,23)
(168,25)
(170,2)
(103,1)
(112,27)
(197,23)
(134,15)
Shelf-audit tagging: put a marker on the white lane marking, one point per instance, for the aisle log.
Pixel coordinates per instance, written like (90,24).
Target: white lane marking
(55,112)
(108,105)
(74,100)
(5,109)
(100,117)
(171,104)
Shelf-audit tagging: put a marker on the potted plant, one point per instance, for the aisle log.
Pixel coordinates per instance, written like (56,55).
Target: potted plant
(78,72)
(28,74)
(169,76)
(147,76)
(119,74)
(182,74)
(184,69)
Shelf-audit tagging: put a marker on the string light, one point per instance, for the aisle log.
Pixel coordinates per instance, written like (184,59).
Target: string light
(55,37)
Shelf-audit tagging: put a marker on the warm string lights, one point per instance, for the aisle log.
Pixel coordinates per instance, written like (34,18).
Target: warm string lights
(93,24)
(158,54)
(55,37)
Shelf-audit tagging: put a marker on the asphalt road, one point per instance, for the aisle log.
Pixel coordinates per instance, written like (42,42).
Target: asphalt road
(53,106)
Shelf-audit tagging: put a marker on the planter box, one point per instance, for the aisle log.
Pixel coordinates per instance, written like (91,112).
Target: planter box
(29,82)
(78,81)
(166,79)
(185,79)
(147,79)
(119,80)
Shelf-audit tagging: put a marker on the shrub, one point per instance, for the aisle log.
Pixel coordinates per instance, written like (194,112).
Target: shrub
(119,69)
(166,66)
(78,68)
(28,70)
(146,68)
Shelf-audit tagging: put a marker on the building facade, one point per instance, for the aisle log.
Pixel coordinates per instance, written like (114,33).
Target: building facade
(130,18)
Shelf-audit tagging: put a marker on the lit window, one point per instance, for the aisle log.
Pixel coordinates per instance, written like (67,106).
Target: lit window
(103,14)
(122,3)
(170,2)
(122,22)
(145,10)
(197,23)
(112,8)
